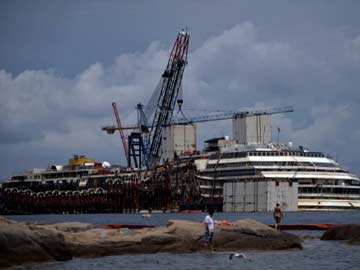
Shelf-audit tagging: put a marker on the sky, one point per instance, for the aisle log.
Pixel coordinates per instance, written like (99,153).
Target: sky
(62,64)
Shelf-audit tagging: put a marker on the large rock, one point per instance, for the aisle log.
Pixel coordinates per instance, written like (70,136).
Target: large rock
(350,233)
(32,243)
(23,244)
(69,226)
(242,234)
(5,220)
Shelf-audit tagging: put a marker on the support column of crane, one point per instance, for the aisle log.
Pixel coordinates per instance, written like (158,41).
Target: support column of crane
(136,149)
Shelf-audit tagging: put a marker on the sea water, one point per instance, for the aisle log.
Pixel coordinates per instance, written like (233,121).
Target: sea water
(316,254)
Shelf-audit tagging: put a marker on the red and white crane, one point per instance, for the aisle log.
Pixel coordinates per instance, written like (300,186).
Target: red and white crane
(121,131)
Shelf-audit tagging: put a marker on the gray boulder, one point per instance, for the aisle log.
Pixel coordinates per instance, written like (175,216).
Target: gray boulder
(350,233)
(22,244)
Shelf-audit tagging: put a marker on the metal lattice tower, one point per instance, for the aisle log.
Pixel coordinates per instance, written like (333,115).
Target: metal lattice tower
(170,86)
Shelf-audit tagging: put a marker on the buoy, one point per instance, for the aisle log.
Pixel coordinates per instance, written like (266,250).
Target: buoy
(223,222)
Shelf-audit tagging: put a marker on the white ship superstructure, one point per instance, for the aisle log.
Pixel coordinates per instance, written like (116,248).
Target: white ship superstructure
(256,177)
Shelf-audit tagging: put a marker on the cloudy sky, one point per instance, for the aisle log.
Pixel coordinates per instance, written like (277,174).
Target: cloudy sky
(62,63)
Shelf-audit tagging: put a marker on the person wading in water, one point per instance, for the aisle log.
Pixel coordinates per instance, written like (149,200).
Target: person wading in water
(277,215)
(209,230)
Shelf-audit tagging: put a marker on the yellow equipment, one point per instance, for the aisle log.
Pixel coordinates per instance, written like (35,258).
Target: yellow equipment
(80,160)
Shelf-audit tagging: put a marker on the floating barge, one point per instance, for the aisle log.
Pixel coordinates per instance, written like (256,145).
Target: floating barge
(86,186)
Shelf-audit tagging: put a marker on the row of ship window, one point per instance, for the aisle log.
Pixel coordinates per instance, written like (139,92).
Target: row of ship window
(250,172)
(51,175)
(312,190)
(270,163)
(232,173)
(266,153)
(68,174)
(64,185)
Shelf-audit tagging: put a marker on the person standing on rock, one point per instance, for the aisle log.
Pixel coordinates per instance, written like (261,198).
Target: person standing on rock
(209,230)
(277,215)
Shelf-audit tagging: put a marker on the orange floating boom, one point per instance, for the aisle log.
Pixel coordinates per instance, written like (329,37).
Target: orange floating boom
(318,227)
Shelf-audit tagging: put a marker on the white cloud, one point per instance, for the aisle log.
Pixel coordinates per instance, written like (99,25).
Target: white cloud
(42,112)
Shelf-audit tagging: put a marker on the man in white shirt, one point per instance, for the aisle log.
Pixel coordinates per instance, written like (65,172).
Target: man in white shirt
(209,230)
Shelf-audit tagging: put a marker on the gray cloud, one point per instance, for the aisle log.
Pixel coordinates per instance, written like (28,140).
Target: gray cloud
(46,117)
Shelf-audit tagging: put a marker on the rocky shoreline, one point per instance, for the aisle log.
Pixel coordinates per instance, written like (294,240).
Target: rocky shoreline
(29,243)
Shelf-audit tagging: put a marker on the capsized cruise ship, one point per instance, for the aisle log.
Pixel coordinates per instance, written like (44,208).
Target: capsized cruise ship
(251,173)
(254,177)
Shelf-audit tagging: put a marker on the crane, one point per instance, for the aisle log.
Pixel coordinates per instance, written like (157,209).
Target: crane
(169,90)
(136,139)
(212,117)
(144,143)
(121,131)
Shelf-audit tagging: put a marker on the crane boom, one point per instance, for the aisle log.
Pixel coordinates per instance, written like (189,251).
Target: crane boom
(121,131)
(214,117)
(231,115)
(170,85)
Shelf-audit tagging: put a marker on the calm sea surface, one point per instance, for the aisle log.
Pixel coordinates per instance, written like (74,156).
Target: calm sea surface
(315,255)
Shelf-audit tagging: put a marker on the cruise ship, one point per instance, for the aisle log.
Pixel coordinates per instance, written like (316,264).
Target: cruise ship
(299,179)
